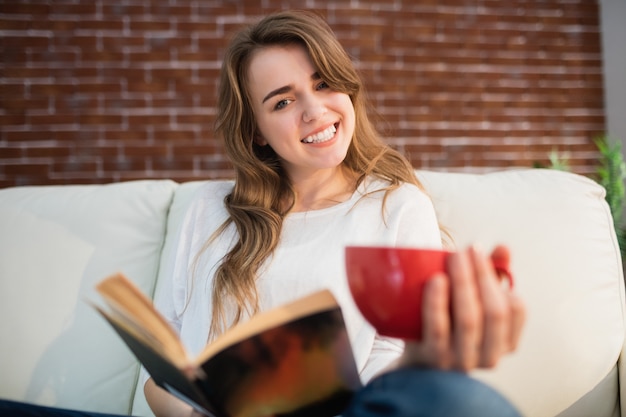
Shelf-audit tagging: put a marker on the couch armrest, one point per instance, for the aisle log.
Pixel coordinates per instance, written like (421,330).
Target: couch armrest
(568,269)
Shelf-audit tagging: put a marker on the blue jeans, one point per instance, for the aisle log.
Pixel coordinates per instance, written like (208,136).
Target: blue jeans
(18,409)
(408,392)
(416,392)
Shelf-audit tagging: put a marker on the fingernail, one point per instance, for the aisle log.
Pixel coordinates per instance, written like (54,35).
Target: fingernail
(477,248)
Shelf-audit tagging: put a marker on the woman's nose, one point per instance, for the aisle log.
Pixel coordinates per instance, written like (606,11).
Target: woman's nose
(314,109)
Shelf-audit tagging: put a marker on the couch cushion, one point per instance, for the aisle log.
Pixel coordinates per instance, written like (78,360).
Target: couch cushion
(56,243)
(182,198)
(568,270)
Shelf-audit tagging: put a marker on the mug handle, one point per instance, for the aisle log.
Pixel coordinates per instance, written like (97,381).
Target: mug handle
(500,259)
(505,273)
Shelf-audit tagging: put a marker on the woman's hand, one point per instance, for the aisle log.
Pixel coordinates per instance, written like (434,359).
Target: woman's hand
(470,318)
(164,404)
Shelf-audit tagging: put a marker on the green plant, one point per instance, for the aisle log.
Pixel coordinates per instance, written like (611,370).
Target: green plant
(611,174)
(556,160)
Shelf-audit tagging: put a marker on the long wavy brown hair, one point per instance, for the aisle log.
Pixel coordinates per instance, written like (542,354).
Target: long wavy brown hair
(262,195)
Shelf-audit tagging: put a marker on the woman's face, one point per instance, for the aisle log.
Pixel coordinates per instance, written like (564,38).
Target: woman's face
(306,123)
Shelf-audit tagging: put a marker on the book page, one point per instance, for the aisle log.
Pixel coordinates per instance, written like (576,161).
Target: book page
(133,310)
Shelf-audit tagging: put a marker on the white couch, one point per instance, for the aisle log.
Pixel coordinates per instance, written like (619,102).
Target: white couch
(56,242)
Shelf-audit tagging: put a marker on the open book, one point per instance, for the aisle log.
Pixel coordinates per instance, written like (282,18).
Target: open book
(294,360)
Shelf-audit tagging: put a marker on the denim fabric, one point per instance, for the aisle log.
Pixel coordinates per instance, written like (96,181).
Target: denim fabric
(17,409)
(416,392)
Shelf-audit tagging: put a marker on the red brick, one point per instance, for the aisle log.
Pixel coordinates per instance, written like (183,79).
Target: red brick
(179,74)
(154,86)
(12,119)
(204,148)
(51,119)
(20,135)
(72,40)
(97,24)
(180,102)
(35,169)
(27,9)
(55,24)
(149,119)
(100,119)
(19,105)
(145,151)
(84,9)
(92,55)
(179,135)
(117,43)
(138,55)
(201,28)
(150,25)
(56,152)
(7,152)
(117,165)
(98,87)
(165,10)
(118,9)
(23,72)
(14,24)
(133,134)
(51,88)
(13,41)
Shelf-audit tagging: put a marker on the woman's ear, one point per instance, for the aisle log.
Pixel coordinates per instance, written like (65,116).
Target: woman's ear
(259,140)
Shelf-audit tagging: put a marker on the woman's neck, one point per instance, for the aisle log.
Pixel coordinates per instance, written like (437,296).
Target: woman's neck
(323,189)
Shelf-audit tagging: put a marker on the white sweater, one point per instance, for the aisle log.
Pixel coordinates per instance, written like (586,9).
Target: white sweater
(310,256)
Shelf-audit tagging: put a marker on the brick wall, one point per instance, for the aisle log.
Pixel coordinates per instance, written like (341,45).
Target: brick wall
(95,91)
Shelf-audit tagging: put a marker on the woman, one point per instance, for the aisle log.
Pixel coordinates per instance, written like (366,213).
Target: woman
(311,176)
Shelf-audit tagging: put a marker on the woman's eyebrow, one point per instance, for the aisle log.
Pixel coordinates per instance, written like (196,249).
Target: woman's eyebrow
(287,88)
(281,90)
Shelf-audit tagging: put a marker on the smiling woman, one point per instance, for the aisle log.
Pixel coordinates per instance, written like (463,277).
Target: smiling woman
(312,177)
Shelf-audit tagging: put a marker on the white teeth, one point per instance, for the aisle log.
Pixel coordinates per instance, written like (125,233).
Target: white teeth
(322,136)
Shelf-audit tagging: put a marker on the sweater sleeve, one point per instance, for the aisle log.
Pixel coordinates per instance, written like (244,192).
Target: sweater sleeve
(176,272)
(413,216)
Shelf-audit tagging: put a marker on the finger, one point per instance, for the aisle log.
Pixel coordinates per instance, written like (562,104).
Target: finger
(501,256)
(518,319)
(496,311)
(466,311)
(436,325)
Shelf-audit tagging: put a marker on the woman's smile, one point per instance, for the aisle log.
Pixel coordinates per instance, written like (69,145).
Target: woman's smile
(321,137)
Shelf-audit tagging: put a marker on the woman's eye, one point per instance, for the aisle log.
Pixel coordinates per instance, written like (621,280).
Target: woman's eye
(322,85)
(281,104)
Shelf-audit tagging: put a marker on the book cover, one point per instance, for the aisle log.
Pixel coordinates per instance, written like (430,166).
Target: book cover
(294,360)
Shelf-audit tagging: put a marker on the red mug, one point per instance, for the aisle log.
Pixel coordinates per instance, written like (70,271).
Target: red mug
(387,283)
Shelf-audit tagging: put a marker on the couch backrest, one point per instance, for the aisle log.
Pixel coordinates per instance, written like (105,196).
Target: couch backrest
(568,269)
(55,244)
